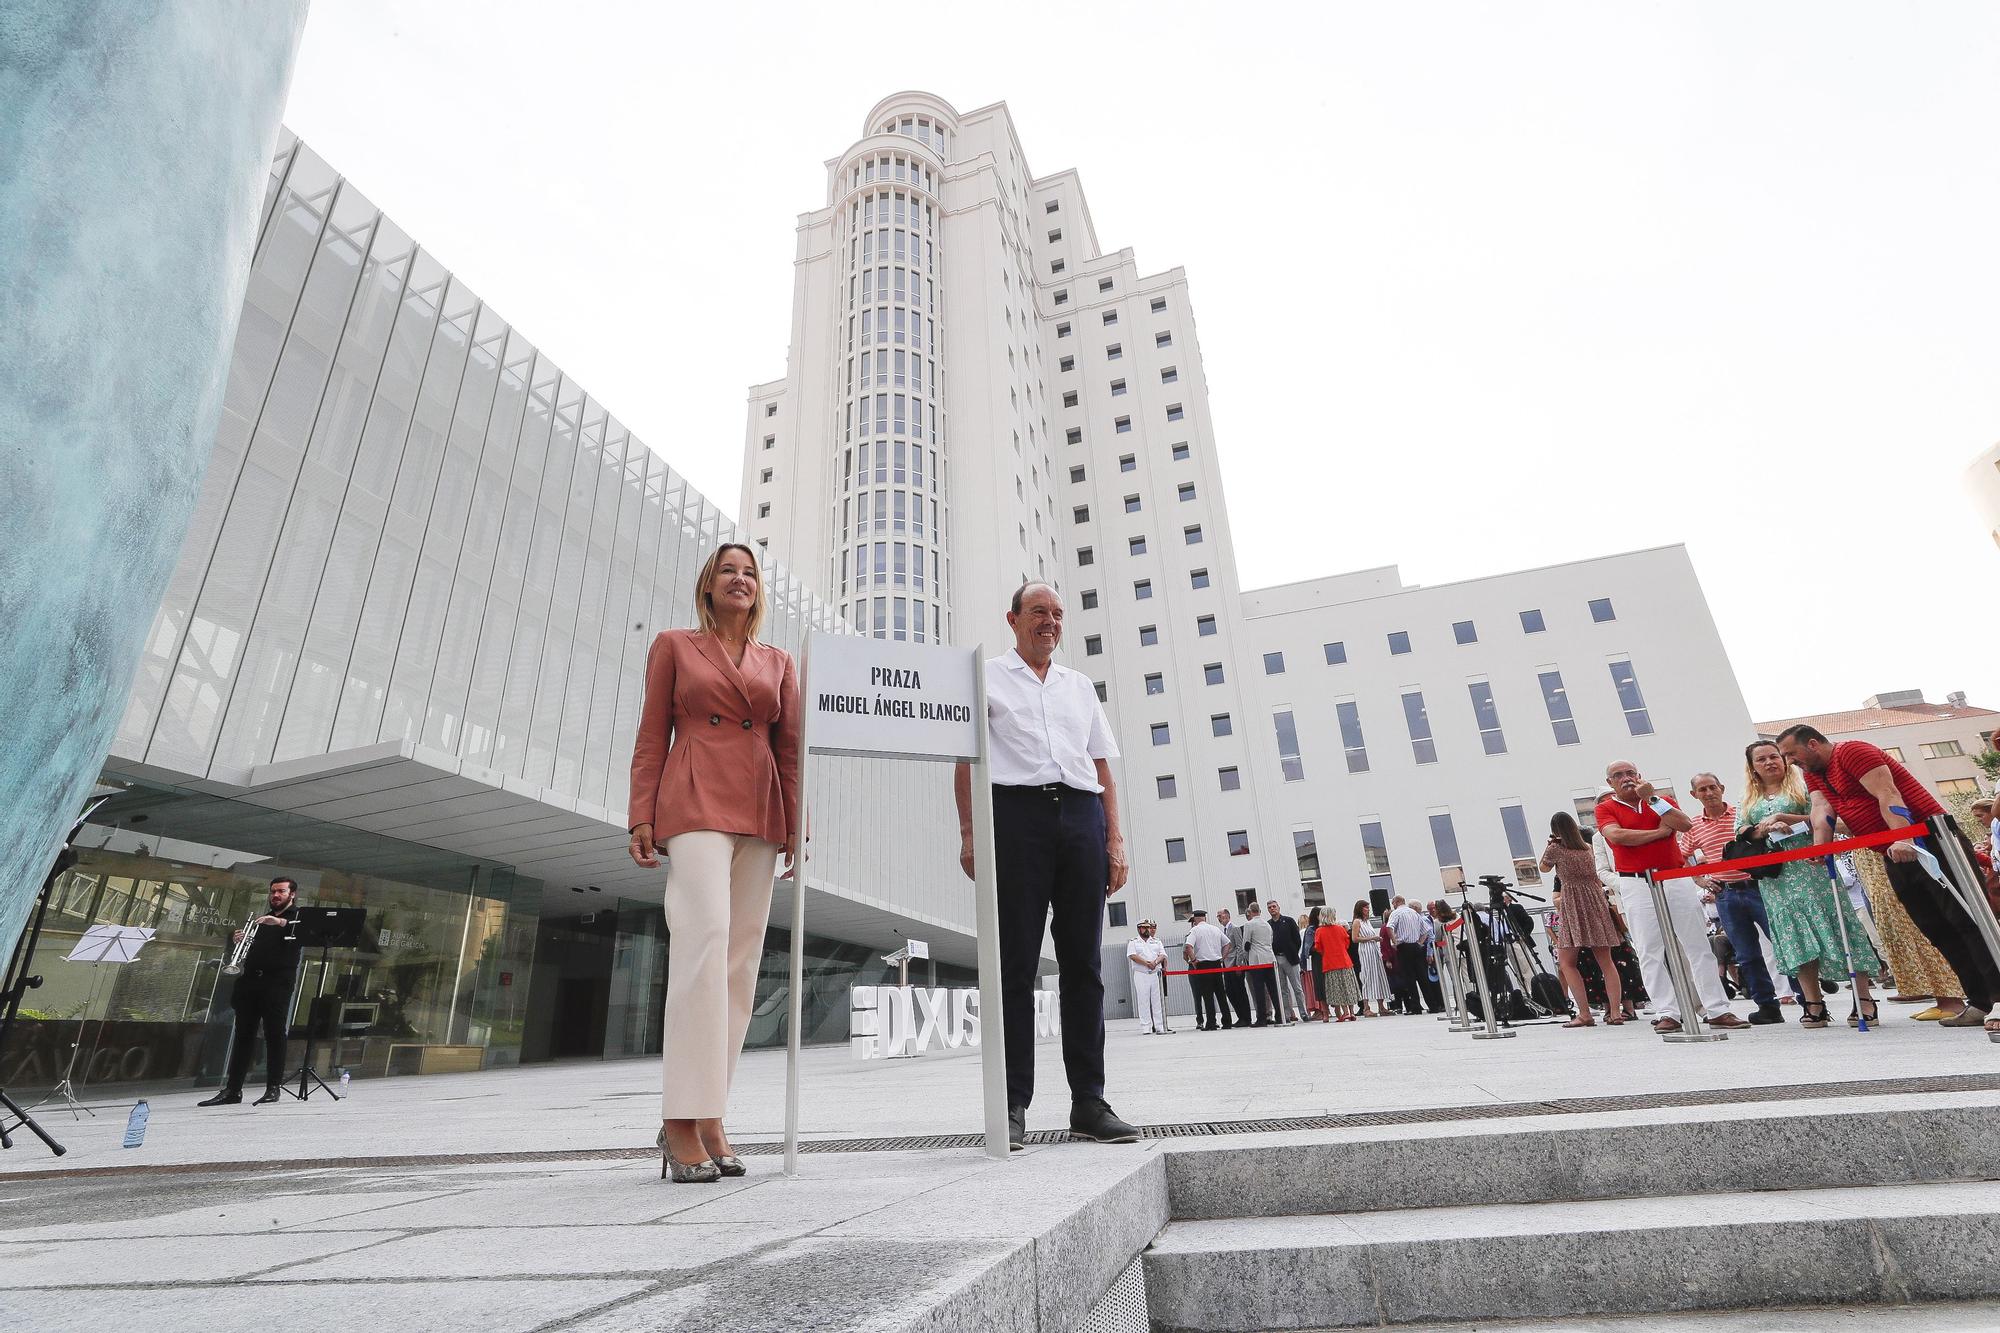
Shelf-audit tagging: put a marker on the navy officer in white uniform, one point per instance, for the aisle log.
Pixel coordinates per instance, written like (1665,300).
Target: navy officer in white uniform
(1060,855)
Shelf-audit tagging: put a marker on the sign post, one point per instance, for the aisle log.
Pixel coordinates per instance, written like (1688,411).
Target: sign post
(883,699)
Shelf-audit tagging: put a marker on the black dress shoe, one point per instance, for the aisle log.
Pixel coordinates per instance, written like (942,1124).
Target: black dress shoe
(1092,1118)
(227,1097)
(270,1095)
(1766,1014)
(1017,1128)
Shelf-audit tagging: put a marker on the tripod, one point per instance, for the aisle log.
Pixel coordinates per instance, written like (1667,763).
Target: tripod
(65,1088)
(308,1076)
(19,982)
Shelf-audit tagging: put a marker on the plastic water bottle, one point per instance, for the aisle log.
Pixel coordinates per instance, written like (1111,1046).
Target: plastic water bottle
(343,1082)
(135,1124)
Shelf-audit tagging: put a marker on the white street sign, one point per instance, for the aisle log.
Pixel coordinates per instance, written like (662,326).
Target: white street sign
(892,700)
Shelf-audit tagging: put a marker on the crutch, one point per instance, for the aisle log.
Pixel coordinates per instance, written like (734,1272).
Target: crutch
(1840,919)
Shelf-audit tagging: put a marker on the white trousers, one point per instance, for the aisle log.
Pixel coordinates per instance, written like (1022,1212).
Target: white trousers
(1649,941)
(718,903)
(1149,1005)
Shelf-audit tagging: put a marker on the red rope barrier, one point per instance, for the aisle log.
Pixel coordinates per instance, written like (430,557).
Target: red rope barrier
(1218,971)
(1887,835)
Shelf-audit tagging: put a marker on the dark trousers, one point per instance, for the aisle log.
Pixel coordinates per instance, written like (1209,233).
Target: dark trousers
(1239,995)
(1413,975)
(1052,870)
(261,999)
(1263,985)
(1209,1005)
(1936,911)
(1742,913)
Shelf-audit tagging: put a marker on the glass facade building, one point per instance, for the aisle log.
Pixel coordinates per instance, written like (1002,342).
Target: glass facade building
(401,660)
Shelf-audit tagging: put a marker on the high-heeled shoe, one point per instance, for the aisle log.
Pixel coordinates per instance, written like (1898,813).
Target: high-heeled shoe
(729,1164)
(685,1173)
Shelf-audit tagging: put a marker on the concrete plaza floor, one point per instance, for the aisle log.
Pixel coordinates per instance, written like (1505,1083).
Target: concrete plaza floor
(172,1234)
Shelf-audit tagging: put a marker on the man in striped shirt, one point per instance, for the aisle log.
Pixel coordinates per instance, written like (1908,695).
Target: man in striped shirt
(1738,903)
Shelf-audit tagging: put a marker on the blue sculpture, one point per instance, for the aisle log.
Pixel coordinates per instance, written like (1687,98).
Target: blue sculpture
(134,140)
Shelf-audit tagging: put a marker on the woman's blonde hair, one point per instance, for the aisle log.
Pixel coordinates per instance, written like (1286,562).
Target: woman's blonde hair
(1753,786)
(704,609)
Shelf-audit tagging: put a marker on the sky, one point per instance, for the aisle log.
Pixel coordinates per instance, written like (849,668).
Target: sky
(1478,287)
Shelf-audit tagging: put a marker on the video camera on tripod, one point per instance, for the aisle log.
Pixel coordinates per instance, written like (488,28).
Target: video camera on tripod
(1505,933)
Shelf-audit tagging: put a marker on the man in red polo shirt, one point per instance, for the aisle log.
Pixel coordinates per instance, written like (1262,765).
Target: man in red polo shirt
(1641,829)
(1867,789)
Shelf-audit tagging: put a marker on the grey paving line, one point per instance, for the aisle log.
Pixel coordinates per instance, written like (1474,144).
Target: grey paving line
(1186,1130)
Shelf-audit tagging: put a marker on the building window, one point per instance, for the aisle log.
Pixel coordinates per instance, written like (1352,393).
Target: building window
(1220,725)
(1212,673)
(1076,474)
(1531,622)
(1959,786)
(1486,716)
(1444,840)
(1274,664)
(1148,635)
(1176,850)
(764,476)
(1050,206)
(1062,297)
(1637,720)
(1159,304)
(1123,425)
(1515,821)
(1104,284)
(1183,904)
(1055,235)
(1170,375)
(1463,631)
(1090,599)
(1074,435)
(1289,762)
(1336,653)
(1174,412)
(1942,750)
(1069,399)
(770,441)
(1186,491)
(1114,351)
(1204,625)
(1306,852)
(1418,719)
(1375,855)
(1164,787)
(1155,683)
(1081,513)
(1135,546)
(1399,642)
(1351,742)
(1198,578)
(1056,266)
(1180,453)
(1131,504)
(1238,842)
(1556,699)
(1118,388)
(1062,329)
(1895,752)
(1066,363)
(1163,339)
(1102,696)
(770,409)
(1128,463)
(1191,534)
(1114,914)
(1229,779)
(1085,555)
(764,510)
(1162,733)
(1093,644)
(1110,318)
(1600,610)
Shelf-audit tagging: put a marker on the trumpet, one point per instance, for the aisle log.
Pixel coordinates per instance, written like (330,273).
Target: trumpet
(234,967)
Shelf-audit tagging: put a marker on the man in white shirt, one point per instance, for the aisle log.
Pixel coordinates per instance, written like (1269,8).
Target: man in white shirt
(1060,855)
(1203,951)
(1411,933)
(1148,959)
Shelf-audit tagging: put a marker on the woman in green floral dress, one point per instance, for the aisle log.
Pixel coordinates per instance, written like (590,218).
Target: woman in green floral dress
(1800,901)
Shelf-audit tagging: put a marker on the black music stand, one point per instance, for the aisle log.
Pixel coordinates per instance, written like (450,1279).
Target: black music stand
(19,982)
(329,928)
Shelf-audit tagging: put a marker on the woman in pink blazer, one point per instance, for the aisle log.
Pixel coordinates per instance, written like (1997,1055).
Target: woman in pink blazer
(715,784)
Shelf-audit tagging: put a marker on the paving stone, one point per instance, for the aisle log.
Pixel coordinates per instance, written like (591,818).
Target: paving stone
(407,1307)
(544,1251)
(80,1263)
(325,1212)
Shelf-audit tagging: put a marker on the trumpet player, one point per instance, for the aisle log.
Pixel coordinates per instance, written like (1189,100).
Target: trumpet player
(263,995)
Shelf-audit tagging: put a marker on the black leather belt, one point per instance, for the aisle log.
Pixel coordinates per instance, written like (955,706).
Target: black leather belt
(1044,789)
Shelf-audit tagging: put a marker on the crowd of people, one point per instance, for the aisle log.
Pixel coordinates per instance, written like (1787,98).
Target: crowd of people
(1785,935)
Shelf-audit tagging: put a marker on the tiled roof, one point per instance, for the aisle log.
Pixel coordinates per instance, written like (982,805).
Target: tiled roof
(1870,719)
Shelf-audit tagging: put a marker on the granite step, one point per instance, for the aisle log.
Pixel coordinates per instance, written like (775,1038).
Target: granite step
(1868,1245)
(1944,1317)
(1672,1151)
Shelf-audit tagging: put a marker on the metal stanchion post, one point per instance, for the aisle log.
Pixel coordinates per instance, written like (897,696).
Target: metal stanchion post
(1491,1010)
(1692,1028)
(1461,1018)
